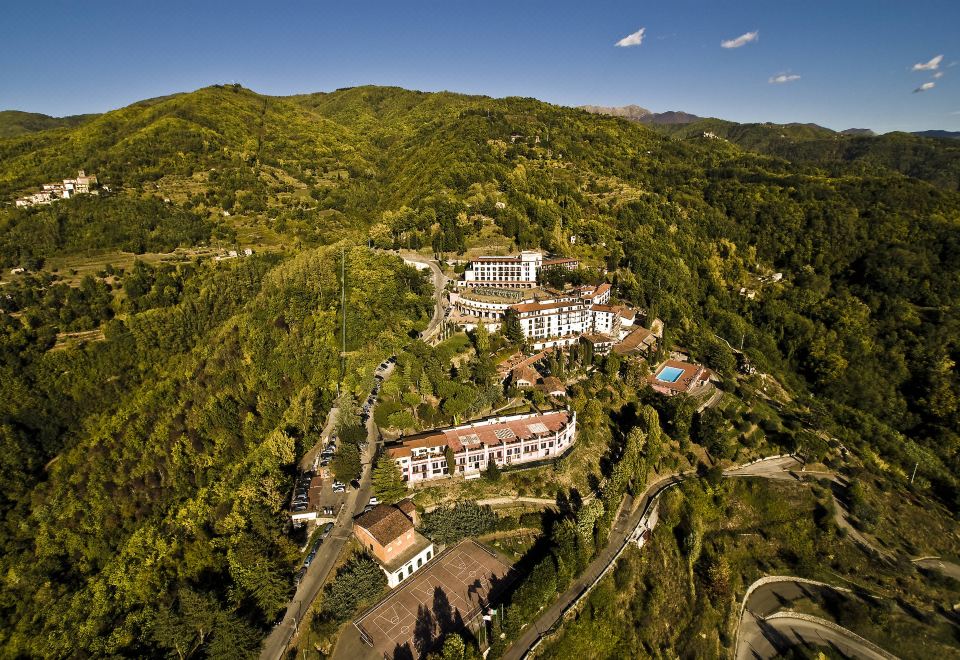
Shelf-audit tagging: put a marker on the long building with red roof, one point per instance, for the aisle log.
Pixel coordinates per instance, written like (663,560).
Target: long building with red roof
(508,440)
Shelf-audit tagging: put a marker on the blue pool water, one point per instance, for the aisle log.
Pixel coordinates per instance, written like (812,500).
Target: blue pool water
(669,374)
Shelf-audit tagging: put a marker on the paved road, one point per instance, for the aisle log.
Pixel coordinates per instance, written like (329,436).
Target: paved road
(439,293)
(767,632)
(623,528)
(316,576)
(776,468)
(946,567)
(625,525)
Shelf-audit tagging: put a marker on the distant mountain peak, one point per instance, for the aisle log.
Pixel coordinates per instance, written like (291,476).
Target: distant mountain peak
(864,132)
(633,112)
(642,115)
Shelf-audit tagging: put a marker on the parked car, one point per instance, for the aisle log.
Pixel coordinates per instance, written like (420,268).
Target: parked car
(298,577)
(326,530)
(374,501)
(355,483)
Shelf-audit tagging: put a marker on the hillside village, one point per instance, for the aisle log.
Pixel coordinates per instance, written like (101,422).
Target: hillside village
(83,184)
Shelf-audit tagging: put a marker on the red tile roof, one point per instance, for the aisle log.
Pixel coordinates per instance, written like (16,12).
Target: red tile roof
(509,430)
(385,523)
(638,340)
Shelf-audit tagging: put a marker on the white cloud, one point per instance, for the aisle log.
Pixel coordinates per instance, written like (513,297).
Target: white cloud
(938,75)
(742,40)
(932,65)
(924,87)
(634,39)
(781,78)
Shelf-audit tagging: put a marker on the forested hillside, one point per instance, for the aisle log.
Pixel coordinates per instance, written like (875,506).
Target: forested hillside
(161,516)
(143,472)
(14,122)
(934,158)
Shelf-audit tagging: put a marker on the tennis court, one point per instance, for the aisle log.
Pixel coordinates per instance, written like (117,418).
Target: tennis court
(466,573)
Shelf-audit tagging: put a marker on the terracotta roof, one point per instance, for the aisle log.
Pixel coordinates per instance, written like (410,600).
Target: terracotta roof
(509,430)
(408,507)
(552,384)
(399,452)
(385,523)
(691,374)
(604,308)
(600,290)
(538,306)
(638,340)
(526,373)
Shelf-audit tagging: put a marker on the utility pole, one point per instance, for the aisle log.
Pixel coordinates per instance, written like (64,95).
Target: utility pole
(343,315)
(916,465)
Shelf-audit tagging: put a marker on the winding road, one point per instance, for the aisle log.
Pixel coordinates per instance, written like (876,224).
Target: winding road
(629,518)
(767,630)
(432,331)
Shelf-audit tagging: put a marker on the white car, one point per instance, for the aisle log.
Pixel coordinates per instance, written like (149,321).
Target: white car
(374,501)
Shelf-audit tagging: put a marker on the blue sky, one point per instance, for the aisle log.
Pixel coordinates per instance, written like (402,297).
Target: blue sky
(854,58)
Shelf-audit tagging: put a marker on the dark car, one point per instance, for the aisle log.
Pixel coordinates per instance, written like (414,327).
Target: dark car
(298,577)
(355,483)
(326,530)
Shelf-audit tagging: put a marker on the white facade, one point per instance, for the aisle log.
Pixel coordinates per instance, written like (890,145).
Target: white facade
(606,319)
(503,440)
(548,318)
(397,575)
(51,192)
(508,272)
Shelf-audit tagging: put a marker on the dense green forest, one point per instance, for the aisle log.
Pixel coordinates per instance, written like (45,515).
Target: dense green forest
(934,159)
(143,473)
(15,122)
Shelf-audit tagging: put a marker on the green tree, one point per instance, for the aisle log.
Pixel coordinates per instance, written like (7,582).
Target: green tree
(492,472)
(511,328)
(450,459)
(481,338)
(388,483)
(453,648)
(346,462)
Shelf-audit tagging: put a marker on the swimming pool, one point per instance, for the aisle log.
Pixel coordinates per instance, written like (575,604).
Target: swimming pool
(670,374)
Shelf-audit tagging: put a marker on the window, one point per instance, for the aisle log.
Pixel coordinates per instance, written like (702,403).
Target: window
(419,562)
(429,554)
(400,577)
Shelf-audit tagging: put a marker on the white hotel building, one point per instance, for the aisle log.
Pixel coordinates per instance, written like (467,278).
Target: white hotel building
(507,440)
(516,272)
(548,318)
